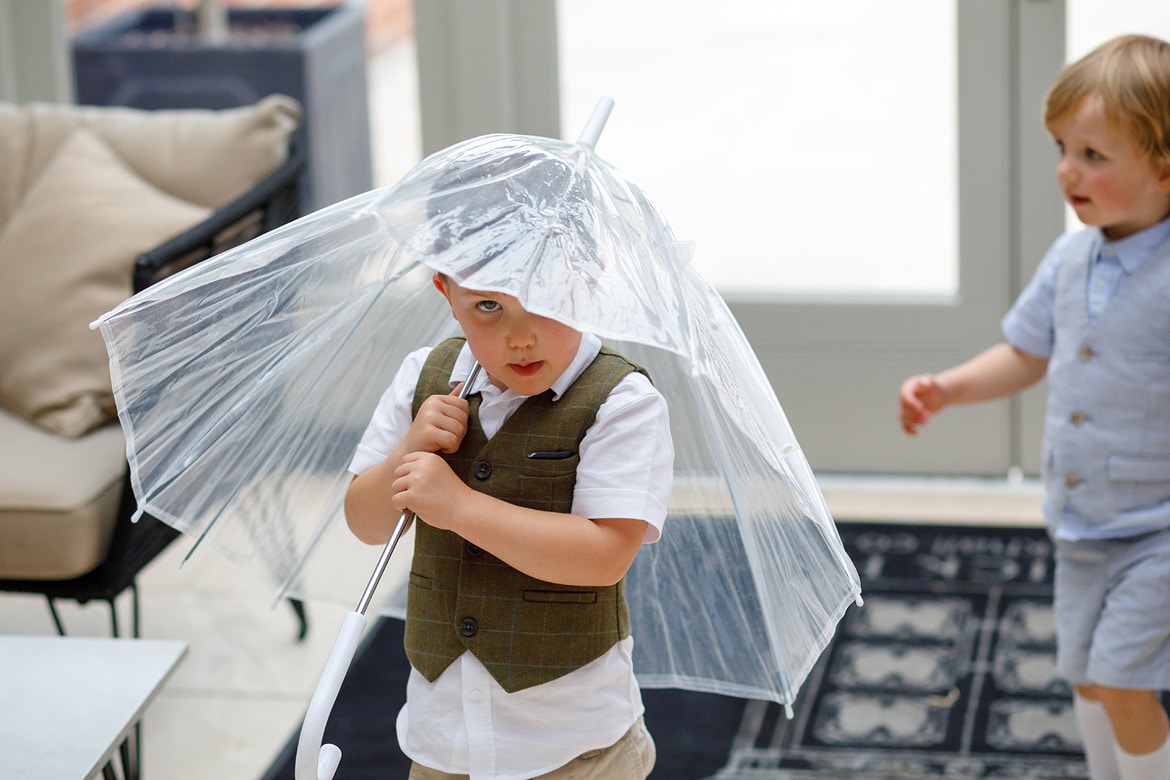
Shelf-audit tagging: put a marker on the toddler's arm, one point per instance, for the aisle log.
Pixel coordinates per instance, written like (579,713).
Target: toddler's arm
(563,548)
(999,371)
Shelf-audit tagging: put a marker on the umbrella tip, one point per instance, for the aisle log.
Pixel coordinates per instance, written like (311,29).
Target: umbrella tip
(596,123)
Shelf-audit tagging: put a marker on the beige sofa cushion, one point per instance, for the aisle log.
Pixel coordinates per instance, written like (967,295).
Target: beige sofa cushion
(53,526)
(83,191)
(66,256)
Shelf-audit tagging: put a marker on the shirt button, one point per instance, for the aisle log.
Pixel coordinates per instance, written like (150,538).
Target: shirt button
(483,470)
(1071,481)
(472,550)
(1076,418)
(476,696)
(1084,353)
(468,627)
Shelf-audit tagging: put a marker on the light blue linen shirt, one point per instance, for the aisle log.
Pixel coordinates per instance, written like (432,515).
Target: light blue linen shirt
(1029,326)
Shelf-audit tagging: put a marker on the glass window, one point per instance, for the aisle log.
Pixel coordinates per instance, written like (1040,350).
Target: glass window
(804,147)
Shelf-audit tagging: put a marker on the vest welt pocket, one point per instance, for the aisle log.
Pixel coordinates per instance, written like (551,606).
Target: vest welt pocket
(1138,468)
(551,467)
(561,596)
(421,581)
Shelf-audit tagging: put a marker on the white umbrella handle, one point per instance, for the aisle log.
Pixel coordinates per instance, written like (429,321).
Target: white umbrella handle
(316,761)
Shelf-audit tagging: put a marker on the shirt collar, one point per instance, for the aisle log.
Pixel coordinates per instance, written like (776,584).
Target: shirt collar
(586,352)
(1132,251)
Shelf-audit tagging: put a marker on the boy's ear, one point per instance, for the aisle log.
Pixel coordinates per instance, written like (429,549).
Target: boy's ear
(440,282)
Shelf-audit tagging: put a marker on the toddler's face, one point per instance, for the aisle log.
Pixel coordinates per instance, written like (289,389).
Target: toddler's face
(1105,177)
(519,350)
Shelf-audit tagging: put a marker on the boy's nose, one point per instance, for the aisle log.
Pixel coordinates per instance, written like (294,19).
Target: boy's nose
(521,336)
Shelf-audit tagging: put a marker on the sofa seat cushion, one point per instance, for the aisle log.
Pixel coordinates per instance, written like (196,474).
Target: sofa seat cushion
(66,257)
(58,499)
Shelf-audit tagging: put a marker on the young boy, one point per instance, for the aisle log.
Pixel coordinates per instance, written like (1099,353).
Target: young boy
(533,497)
(1095,320)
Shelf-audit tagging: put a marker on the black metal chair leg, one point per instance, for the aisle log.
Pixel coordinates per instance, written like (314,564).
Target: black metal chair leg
(299,608)
(114,620)
(131,750)
(134,613)
(56,617)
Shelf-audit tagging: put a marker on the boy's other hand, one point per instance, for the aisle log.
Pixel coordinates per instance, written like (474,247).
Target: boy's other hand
(919,399)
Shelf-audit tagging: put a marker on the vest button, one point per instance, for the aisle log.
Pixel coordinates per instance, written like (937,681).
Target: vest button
(1071,481)
(1076,418)
(473,550)
(483,470)
(468,627)
(1084,353)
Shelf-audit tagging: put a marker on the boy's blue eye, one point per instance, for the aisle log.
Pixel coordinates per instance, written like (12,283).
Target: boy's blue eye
(488,305)
(1093,154)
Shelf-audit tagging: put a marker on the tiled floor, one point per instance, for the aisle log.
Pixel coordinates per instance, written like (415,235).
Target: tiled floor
(241,690)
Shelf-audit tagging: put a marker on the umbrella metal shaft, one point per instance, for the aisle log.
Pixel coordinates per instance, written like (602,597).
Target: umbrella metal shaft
(404,521)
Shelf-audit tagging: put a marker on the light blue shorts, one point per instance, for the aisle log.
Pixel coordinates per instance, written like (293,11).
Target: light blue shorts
(1112,607)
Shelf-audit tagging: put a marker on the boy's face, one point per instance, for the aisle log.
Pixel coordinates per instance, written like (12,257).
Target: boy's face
(1105,177)
(520,351)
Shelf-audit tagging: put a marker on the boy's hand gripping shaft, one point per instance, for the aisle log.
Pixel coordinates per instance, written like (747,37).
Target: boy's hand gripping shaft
(316,761)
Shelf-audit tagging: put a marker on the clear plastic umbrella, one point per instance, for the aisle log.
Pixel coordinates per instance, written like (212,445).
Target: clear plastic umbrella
(244,384)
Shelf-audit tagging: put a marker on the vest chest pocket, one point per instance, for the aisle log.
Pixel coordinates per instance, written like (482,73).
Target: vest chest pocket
(550,464)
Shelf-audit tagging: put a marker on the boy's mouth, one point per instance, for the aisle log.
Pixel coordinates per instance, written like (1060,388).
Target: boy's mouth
(527,369)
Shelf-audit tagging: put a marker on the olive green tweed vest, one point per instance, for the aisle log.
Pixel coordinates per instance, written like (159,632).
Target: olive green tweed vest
(524,630)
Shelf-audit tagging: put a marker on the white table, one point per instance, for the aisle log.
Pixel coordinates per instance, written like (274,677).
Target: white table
(68,703)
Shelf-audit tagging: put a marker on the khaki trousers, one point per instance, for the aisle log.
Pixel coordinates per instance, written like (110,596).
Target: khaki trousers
(630,758)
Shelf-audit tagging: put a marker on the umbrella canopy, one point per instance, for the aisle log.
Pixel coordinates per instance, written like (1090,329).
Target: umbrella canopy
(244,384)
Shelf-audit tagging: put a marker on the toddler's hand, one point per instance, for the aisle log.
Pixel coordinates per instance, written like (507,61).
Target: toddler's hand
(439,426)
(426,485)
(919,399)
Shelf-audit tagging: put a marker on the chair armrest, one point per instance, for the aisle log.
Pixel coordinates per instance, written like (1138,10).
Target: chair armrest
(271,203)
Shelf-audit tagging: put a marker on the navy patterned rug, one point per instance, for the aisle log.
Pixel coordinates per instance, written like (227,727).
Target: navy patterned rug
(946,672)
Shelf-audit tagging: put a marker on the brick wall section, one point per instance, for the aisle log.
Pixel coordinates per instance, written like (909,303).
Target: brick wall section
(387,21)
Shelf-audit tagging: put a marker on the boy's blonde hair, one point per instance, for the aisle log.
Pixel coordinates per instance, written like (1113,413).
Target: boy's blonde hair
(1131,74)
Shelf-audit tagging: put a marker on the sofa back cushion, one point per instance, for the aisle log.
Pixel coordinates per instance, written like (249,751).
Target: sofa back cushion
(90,189)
